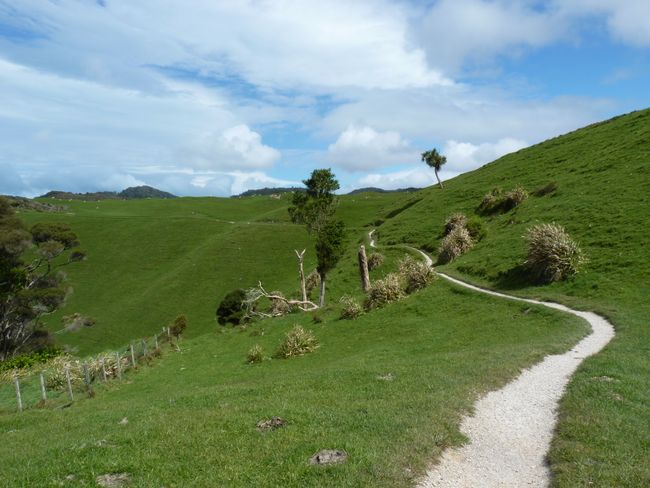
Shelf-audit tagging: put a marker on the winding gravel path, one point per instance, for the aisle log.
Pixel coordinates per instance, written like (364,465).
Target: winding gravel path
(511,429)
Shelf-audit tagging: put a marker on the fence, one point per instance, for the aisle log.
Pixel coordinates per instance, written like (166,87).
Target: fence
(63,379)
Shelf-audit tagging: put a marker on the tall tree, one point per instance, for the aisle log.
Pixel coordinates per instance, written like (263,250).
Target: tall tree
(329,249)
(317,205)
(315,208)
(434,160)
(28,290)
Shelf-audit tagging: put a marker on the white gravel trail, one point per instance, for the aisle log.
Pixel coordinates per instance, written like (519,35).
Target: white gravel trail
(511,429)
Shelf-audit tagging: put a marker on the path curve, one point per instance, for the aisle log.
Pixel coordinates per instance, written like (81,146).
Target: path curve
(511,429)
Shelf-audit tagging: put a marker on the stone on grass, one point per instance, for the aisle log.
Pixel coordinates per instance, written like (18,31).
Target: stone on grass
(328,456)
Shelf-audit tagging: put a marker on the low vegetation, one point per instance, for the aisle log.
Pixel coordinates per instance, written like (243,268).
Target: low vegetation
(552,254)
(297,342)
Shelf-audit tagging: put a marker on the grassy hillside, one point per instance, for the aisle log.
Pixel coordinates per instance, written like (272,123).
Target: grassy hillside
(603,200)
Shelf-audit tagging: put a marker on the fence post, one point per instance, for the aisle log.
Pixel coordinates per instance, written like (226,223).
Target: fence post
(19,398)
(156,340)
(67,377)
(144,347)
(119,365)
(103,369)
(132,356)
(169,334)
(43,391)
(86,374)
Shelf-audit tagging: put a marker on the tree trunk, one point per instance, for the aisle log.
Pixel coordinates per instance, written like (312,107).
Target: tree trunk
(301,259)
(321,301)
(363,269)
(437,178)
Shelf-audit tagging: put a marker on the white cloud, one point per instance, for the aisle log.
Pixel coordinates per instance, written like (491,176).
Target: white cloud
(465,156)
(362,148)
(237,147)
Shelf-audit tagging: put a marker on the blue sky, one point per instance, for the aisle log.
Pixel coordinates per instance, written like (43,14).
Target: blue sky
(206,97)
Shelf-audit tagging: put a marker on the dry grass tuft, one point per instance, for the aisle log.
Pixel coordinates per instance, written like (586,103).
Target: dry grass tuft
(552,254)
(297,342)
(457,242)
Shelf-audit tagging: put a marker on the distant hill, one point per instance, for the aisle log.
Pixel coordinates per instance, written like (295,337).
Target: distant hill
(267,191)
(381,190)
(22,203)
(131,193)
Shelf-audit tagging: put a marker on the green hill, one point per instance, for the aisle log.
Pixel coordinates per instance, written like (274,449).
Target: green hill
(389,387)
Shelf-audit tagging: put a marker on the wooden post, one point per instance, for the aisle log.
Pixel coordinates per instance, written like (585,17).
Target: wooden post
(119,365)
(144,347)
(67,377)
(132,356)
(43,391)
(363,269)
(19,398)
(155,338)
(301,260)
(103,369)
(86,374)
(169,334)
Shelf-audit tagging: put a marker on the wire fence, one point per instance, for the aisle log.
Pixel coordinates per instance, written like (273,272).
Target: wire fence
(64,379)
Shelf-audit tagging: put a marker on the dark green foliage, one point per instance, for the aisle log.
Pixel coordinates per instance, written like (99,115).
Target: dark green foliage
(231,309)
(434,160)
(329,246)
(54,231)
(546,189)
(476,228)
(497,201)
(179,326)
(27,360)
(316,206)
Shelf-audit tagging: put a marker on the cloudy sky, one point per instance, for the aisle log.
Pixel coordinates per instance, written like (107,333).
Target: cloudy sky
(213,97)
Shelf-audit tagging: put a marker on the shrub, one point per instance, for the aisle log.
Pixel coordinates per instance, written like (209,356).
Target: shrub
(476,228)
(453,245)
(312,282)
(546,189)
(255,354)
(351,308)
(279,306)
(297,342)
(375,260)
(231,309)
(416,274)
(178,327)
(27,360)
(384,291)
(491,201)
(552,254)
(453,221)
(514,197)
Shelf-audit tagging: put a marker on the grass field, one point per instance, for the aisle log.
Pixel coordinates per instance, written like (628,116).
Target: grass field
(192,415)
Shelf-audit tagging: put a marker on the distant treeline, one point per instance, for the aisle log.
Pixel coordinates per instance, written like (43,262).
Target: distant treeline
(131,193)
(279,191)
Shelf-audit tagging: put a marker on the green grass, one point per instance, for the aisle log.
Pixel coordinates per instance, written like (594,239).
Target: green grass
(192,416)
(603,200)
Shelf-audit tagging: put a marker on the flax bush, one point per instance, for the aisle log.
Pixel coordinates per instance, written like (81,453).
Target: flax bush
(255,354)
(416,274)
(297,342)
(453,221)
(514,197)
(375,260)
(384,291)
(351,308)
(552,254)
(312,282)
(457,242)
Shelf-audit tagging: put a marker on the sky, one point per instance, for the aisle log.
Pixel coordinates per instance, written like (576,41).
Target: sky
(214,97)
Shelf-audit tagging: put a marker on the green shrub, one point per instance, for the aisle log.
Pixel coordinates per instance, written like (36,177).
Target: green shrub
(416,274)
(491,201)
(476,228)
(231,309)
(457,242)
(552,254)
(375,260)
(453,221)
(27,360)
(255,354)
(351,308)
(178,326)
(546,189)
(297,342)
(384,291)
(497,201)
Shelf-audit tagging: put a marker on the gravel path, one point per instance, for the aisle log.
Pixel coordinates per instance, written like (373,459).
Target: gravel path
(511,429)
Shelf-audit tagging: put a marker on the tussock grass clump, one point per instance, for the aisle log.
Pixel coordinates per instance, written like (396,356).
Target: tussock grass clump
(552,254)
(514,197)
(384,291)
(312,282)
(351,308)
(491,201)
(416,274)
(457,242)
(453,221)
(255,354)
(297,342)
(375,260)
(476,228)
